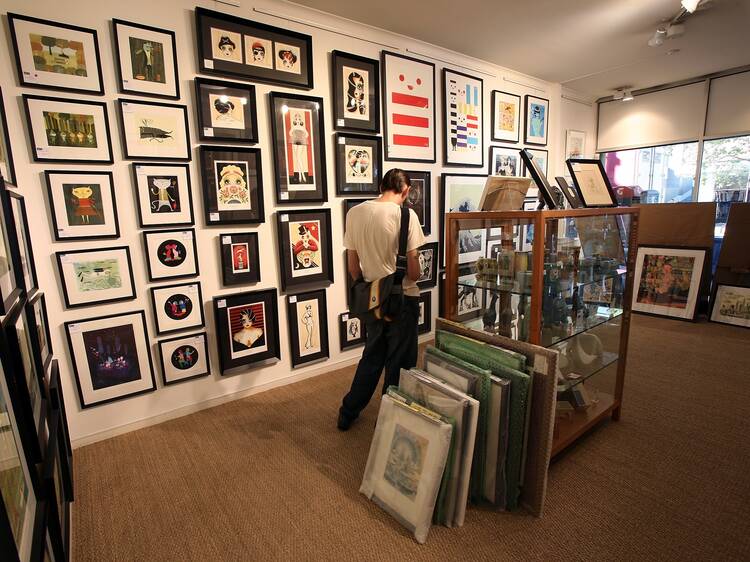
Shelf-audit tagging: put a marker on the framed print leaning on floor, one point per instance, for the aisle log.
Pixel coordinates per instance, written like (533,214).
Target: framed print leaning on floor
(463,119)
(731,305)
(26,265)
(7,169)
(92,277)
(154,131)
(11,282)
(308,326)
(356,93)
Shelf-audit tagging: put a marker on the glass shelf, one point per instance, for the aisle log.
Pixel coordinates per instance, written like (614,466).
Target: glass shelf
(608,358)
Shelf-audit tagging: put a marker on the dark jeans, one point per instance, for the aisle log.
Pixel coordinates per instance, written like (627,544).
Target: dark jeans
(392,345)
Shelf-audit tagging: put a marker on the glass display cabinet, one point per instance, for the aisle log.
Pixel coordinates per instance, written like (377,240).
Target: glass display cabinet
(560,279)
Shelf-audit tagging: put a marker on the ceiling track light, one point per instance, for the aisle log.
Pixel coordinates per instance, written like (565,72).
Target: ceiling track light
(627,95)
(690,5)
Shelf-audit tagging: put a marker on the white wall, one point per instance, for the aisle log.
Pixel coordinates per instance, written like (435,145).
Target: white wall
(577,113)
(177,15)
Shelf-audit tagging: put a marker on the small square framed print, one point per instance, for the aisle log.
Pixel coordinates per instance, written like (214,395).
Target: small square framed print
(358,167)
(352,331)
(177,307)
(171,254)
(240,259)
(184,358)
(164,196)
(154,131)
(227,111)
(91,277)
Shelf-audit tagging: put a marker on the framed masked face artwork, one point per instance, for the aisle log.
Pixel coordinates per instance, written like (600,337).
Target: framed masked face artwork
(232,185)
(305,247)
(164,196)
(226,111)
(177,307)
(308,327)
(247,328)
(504,161)
(506,116)
(154,131)
(537,120)
(171,254)
(352,331)
(240,259)
(91,277)
(424,324)
(463,102)
(356,92)
(56,56)
(420,198)
(7,169)
(428,265)
(358,168)
(146,60)
(299,148)
(184,358)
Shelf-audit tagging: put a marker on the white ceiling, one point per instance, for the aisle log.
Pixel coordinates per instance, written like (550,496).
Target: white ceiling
(591,46)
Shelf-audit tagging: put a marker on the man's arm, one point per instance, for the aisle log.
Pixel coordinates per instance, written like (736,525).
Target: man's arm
(413,271)
(352,263)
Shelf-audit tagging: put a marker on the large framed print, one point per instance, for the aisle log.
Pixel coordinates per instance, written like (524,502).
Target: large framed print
(232,185)
(668,281)
(358,167)
(163,194)
(257,52)
(154,131)
(352,331)
(299,148)
(591,182)
(461,193)
(304,247)
(463,136)
(82,204)
(420,198)
(146,60)
(731,305)
(65,130)
(26,265)
(56,56)
(428,265)
(177,307)
(171,254)
(307,316)
(424,323)
(227,111)
(506,116)
(184,358)
(38,323)
(504,161)
(240,258)
(409,98)
(11,277)
(7,168)
(247,328)
(537,120)
(111,357)
(91,277)
(356,92)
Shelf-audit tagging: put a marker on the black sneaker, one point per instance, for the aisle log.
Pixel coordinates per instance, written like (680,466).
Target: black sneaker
(344,422)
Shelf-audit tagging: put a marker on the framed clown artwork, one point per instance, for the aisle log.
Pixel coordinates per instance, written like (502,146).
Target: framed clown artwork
(463,135)
(305,247)
(232,185)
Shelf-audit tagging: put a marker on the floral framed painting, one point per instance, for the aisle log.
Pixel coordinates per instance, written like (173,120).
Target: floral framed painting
(227,111)
(356,93)
(184,358)
(308,327)
(305,247)
(232,185)
(240,258)
(92,277)
(358,167)
(154,131)
(463,119)
(163,194)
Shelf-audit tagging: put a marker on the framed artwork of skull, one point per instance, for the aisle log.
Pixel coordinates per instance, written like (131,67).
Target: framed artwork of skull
(308,327)
(227,111)
(356,93)
(358,166)
(304,247)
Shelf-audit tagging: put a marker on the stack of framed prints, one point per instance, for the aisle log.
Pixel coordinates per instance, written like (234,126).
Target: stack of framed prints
(56,471)
(7,169)
(27,265)
(171,254)
(352,331)
(163,194)
(91,277)
(305,247)
(184,358)
(227,111)
(177,307)
(463,102)
(358,168)
(506,117)
(731,305)
(420,198)
(308,327)
(356,92)
(232,185)
(154,131)
(240,259)
(11,281)
(537,120)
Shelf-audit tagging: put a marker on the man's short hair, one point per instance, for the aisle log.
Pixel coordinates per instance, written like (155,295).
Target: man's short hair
(395,180)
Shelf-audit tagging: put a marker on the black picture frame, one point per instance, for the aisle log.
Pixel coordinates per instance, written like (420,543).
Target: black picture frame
(229,314)
(424,322)
(232,248)
(12,283)
(57,402)
(429,257)
(150,238)
(577,182)
(27,266)
(122,80)
(294,302)
(300,221)
(190,305)
(148,129)
(419,199)
(26,77)
(239,30)
(345,96)
(350,149)
(570,193)
(192,340)
(208,130)
(8,173)
(444,205)
(54,469)
(496,165)
(452,122)
(551,195)
(494,116)
(62,258)
(527,137)
(352,331)
(234,166)
(349,280)
(290,108)
(149,208)
(38,322)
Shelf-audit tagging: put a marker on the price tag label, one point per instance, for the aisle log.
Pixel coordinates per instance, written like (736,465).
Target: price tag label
(284,218)
(198,339)
(128,108)
(208,63)
(345,317)
(193,289)
(66,259)
(222,303)
(340,122)
(140,171)
(208,131)
(540,364)
(125,81)
(42,151)
(342,140)
(187,235)
(74,328)
(31,76)
(285,196)
(292,299)
(213,216)
(226,239)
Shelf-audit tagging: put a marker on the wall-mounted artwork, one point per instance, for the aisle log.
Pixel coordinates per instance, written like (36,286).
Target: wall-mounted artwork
(304,247)
(171,254)
(428,265)
(240,259)
(349,204)
(232,185)
(7,169)
(111,357)
(184,358)
(537,120)
(352,331)
(55,55)
(356,92)
(358,166)
(64,130)
(409,97)
(91,277)
(506,116)
(420,198)
(36,312)
(460,193)
(154,131)
(540,158)
(164,196)
(463,119)
(308,327)
(232,46)
(146,60)
(177,307)
(575,144)
(504,161)
(299,148)
(26,265)
(424,323)
(227,111)
(11,282)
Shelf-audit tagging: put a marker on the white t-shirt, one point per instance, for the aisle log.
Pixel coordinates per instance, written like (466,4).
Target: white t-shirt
(372,230)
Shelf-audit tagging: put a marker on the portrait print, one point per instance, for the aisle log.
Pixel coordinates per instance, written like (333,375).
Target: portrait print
(227,112)
(232,190)
(83,204)
(537,120)
(403,469)
(147,60)
(308,327)
(356,85)
(226,45)
(247,329)
(258,52)
(353,330)
(287,58)
(112,356)
(299,148)
(305,248)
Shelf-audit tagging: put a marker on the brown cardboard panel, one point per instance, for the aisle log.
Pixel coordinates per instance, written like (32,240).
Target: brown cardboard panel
(735,250)
(677,224)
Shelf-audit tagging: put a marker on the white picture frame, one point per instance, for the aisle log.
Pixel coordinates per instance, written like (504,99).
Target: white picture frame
(506,117)
(731,305)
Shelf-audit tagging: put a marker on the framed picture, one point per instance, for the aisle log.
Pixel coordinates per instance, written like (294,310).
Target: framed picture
(299,148)
(506,116)
(424,324)
(65,130)
(409,94)
(570,194)
(537,120)
(304,247)
(247,328)
(184,358)
(92,277)
(83,204)
(57,402)
(154,131)
(358,167)
(232,185)
(11,277)
(7,169)
(428,265)
(463,102)
(240,258)
(56,56)
(56,469)
(227,111)
(41,342)
(591,182)
(668,281)
(163,194)
(462,193)
(111,357)
(504,161)
(257,52)
(177,307)
(26,266)
(535,167)
(146,60)
(731,305)
(356,92)
(308,327)
(420,198)
(352,331)
(575,144)
(171,254)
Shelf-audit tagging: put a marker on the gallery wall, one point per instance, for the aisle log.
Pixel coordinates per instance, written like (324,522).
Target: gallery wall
(177,15)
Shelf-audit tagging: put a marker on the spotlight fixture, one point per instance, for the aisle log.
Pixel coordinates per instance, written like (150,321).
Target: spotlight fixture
(690,5)
(627,95)
(657,40)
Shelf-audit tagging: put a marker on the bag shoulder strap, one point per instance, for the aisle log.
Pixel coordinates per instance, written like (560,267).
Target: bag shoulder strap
(401,255)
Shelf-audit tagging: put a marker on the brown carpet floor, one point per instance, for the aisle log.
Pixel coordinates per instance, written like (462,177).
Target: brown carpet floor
(270,478)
